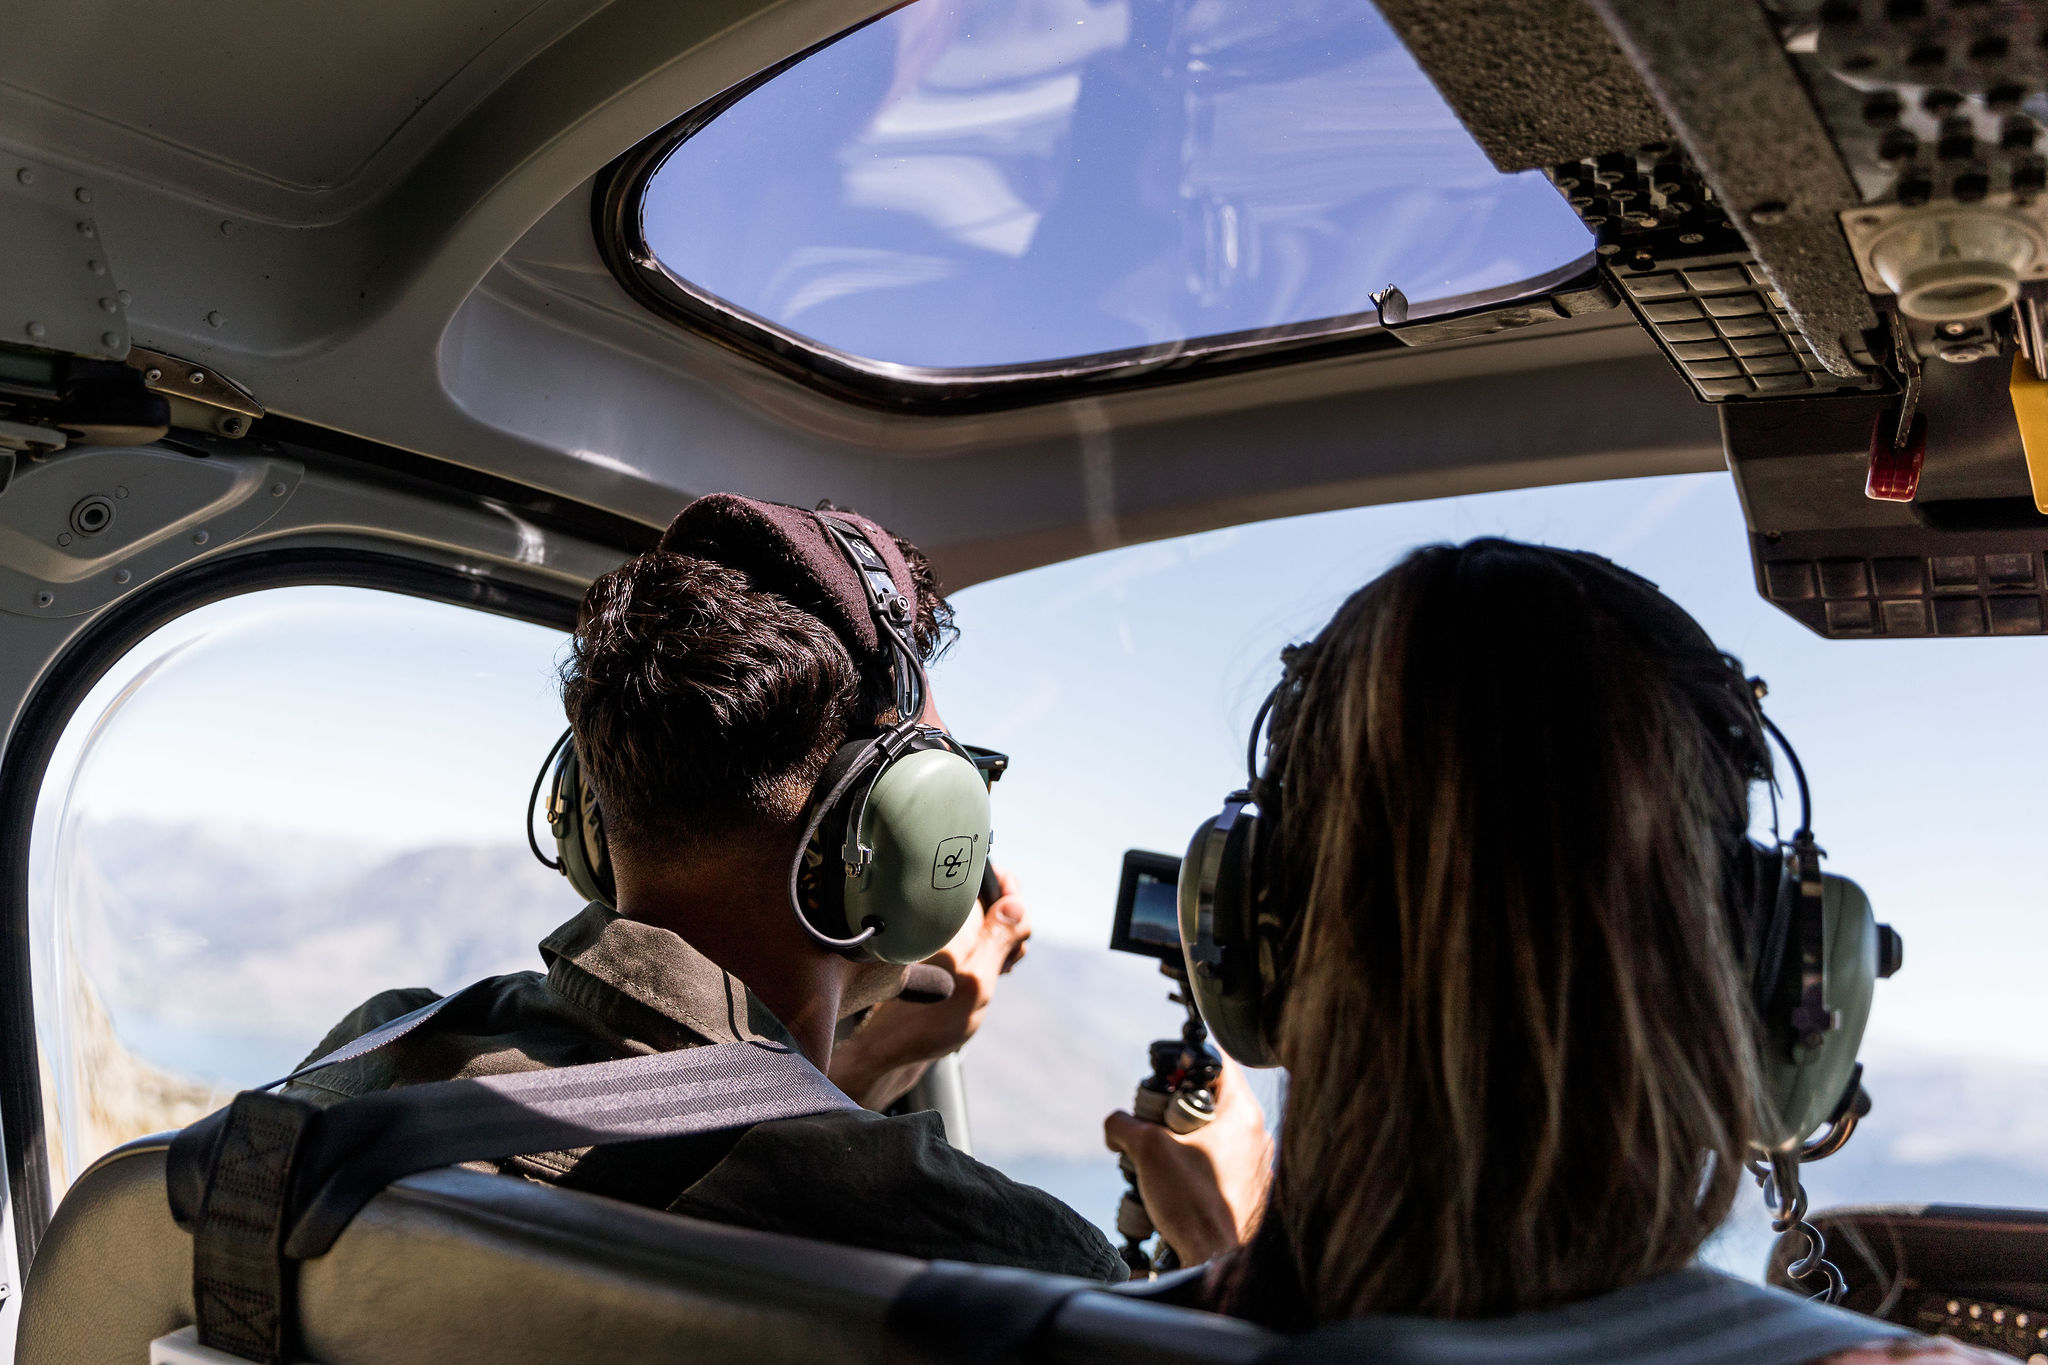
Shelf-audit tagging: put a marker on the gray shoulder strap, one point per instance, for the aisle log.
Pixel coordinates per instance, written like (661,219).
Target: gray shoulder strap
(272,1180)
(390,1031)
(1691,1317)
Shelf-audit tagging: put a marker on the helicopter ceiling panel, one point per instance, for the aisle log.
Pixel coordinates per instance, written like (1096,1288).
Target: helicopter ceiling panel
(298,120)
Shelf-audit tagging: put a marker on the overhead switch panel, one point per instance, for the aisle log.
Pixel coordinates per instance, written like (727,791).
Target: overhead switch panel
(1670,250)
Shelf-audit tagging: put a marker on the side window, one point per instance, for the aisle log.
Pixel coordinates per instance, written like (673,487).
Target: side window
(269,810)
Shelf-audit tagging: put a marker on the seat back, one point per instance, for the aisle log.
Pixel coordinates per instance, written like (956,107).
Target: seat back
(460,1265)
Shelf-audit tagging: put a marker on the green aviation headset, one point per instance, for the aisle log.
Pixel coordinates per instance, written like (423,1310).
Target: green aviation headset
(1818,952)
(896,834)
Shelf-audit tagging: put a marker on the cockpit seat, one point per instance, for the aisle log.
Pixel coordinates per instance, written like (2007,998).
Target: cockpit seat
(456,1265)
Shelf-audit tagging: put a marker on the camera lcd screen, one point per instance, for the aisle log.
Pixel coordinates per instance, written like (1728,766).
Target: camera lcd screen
(1148,907)
(1155,912)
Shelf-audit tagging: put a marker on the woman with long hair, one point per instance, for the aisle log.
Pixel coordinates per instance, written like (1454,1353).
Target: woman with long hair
(1510,798)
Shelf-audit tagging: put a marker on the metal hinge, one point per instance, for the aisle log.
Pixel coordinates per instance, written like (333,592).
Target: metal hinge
(200,398)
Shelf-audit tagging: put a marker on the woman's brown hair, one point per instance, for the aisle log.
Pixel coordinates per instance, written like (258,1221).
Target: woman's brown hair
(1511,787)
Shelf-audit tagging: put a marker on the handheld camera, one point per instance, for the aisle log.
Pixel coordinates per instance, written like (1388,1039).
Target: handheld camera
(1177,1092)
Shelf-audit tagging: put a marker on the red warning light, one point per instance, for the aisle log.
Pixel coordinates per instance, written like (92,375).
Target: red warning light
(1895,471)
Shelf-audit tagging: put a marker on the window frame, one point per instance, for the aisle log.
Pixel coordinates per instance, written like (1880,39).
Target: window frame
(618,225)
(51,706)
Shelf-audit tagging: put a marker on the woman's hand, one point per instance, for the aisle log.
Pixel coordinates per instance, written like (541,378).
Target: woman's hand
(1204,1189)
(899,1040)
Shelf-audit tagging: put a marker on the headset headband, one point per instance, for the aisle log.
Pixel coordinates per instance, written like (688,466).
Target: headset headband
(893,612)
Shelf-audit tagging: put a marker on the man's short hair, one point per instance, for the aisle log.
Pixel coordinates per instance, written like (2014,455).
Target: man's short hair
(702,703)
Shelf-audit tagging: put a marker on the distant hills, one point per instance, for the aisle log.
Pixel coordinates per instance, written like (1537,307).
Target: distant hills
(222,957)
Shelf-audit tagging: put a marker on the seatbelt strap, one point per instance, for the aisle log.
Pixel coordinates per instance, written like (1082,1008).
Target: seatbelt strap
(272,1180)
(386,1033)
(1693,1316)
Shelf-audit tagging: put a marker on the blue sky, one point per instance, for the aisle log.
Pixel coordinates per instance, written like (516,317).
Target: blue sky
(993,182)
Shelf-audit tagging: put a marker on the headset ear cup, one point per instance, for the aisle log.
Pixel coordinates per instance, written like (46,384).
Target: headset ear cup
(925,825)
(597,851)
(926,822)
(1767,923)
(1218,939)
(1804,1081)
(577,822)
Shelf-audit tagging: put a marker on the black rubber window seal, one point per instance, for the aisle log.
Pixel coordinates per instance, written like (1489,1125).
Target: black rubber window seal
(616,223)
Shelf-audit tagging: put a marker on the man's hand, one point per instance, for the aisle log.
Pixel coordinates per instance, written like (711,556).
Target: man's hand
(898,1040)
(1205,1189)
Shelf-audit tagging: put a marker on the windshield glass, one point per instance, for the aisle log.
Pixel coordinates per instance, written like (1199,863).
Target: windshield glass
(1123,685)
(286,802)
(1001,183)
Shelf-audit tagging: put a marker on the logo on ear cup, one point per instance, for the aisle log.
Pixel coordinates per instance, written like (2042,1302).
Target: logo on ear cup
(952,863)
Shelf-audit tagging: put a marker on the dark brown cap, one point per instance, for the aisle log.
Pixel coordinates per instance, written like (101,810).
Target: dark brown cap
(785,551)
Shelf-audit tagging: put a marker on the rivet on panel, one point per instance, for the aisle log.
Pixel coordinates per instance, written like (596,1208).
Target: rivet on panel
(121,491)
(25,176)
(82,195)
(35,330)
(196,377)
(110,339)
(96,266)
(44,599)
(109,305)
(214,319)
(122,575)
(227,227)
(152,374)
(277,489)
(86,229)
(125,297)
(63,539)
(200,537)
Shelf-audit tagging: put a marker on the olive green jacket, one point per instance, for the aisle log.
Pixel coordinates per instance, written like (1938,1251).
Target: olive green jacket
(617,988)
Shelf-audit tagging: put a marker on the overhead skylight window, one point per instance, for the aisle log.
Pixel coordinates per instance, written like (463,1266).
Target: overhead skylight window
(1007,185)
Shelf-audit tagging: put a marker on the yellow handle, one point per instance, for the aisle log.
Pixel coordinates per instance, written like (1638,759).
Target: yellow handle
(2030,410)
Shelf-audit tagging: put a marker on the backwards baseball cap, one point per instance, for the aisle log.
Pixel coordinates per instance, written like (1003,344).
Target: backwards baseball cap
(785,550)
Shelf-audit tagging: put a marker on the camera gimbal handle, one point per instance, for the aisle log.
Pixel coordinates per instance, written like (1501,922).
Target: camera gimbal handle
(1178,1095)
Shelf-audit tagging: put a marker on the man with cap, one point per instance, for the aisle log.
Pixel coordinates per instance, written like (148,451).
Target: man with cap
(711,679)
